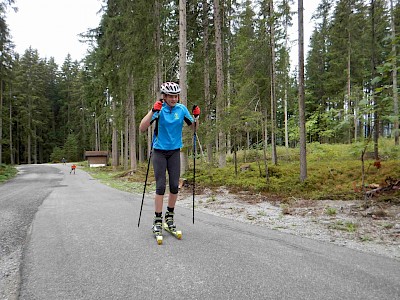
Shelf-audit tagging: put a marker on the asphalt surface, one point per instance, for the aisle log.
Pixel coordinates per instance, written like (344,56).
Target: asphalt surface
(84,243)
(19,202)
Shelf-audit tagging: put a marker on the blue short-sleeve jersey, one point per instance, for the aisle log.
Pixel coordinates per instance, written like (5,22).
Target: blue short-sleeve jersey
(170,125)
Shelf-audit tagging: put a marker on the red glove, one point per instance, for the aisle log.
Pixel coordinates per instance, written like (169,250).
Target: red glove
(196,111)
(157,106)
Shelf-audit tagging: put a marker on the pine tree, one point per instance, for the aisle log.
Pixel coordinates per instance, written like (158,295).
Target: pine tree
(5,65)
(183,68)
(394,74)
(302,121)
(71,148)
(379,49)
(220,96)
(317,73)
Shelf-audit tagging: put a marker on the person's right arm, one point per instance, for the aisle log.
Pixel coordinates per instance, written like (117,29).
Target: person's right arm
(146,121)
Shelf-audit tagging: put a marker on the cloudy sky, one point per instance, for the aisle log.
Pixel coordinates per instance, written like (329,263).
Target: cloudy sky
(309,8)
(52,26)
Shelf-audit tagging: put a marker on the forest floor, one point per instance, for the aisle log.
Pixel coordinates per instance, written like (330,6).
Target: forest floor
(375,229)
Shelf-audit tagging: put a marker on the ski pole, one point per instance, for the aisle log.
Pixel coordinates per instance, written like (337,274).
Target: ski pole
(148,167)
(194,163)
(145,183)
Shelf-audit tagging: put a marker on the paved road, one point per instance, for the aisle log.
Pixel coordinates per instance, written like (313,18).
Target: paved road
(84,244)
(19,202)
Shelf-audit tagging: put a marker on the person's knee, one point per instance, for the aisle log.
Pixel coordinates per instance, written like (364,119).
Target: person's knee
(174,189)
(160,190)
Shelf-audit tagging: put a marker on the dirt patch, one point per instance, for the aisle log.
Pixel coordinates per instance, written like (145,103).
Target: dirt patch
(375,228)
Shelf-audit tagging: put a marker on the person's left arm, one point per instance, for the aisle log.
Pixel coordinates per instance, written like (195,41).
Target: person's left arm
(196,113)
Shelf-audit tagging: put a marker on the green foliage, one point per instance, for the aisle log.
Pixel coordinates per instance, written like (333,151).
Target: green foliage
(57,155)
(344,226)
(70,148)
(119,180)
(51,102)
(7,172)
(334,172)
(330,211)
(31,107)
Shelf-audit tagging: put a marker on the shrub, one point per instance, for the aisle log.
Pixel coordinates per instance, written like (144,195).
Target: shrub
(57,155)
(330,211)
(7,172)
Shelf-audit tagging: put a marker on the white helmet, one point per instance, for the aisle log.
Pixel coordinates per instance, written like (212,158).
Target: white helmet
(170,88)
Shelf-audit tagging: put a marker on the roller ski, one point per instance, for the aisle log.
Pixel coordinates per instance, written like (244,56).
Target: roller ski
(157,230)
(170,227)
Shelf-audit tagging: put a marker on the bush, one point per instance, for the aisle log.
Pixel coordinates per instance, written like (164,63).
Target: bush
(333,172)
(71,148)
(7,172)
(57,155)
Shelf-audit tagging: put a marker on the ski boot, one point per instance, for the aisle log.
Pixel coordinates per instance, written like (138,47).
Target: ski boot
(170,226)
(157,229)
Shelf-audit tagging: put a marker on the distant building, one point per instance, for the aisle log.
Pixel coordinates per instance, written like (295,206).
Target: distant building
(97,158)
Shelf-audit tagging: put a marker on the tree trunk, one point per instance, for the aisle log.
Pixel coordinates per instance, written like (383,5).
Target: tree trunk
(141,150)
(12,161)
(394,76)
(29,146)
(35,146)
(83,125)
(302,118)
(114,146)
(228,73)
(265,134)
(96,129)
(126,140)
(1,121)
(29,149)
(206,79)
(286,84)
(220,105)
(157,46)
(18,144)
(122,148)
(182,52)
(273,84)
(40,150)
(349,87)
(157,77)
(183,70)
(132,127)
(374,99)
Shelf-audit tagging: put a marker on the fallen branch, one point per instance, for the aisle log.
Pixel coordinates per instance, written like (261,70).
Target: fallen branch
(392,186)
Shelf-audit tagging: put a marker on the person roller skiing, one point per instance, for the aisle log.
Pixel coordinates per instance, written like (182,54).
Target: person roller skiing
(169,116)
(73,167)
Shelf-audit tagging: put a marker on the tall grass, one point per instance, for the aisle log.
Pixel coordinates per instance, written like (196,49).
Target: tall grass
(7,172)
(334,171)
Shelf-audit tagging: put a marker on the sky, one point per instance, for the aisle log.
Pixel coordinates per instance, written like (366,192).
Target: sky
(52,26)
(310,7)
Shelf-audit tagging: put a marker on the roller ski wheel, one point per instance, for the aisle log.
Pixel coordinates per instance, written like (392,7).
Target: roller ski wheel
(159,238)
(157,230)
(173,231)
(170,226)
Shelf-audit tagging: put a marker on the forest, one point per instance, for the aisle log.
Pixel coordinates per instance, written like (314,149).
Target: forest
(232,58)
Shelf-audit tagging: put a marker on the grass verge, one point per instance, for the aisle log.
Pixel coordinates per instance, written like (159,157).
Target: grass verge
(334,172)
(7,172)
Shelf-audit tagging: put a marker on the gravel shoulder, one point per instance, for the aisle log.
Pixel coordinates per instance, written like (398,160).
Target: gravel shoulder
(375,229)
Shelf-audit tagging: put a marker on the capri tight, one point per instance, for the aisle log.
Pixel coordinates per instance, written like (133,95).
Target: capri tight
(166,160)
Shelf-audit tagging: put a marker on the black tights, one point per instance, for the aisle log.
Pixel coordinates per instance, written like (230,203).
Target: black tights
(167,160)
